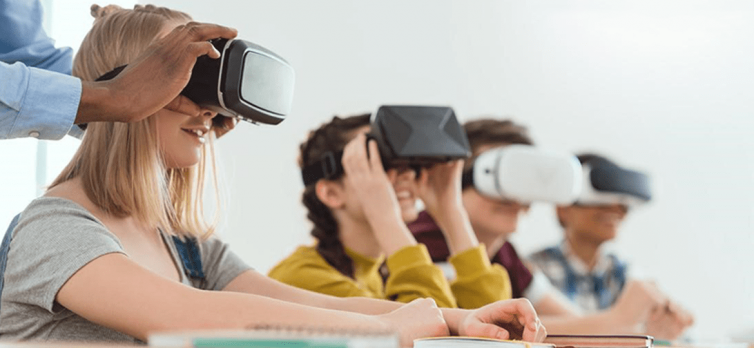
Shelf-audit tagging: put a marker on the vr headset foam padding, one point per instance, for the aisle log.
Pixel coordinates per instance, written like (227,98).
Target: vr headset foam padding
(607,183)
(413,136)
(525,174)
(247,81)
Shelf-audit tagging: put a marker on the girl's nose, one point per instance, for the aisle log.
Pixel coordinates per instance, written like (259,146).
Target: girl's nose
(207,113)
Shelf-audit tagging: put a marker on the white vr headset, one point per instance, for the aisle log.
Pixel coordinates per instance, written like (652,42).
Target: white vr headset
(605,183)
(526,174)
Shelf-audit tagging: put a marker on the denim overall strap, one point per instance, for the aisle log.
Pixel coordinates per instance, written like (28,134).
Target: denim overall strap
(188,251)
(619,274)
(4,248)
(571,279)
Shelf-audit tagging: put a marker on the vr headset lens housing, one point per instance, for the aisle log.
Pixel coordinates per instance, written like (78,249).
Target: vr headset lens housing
(407,136)
(526,174)
(248,81)
(606,183)
(418,136)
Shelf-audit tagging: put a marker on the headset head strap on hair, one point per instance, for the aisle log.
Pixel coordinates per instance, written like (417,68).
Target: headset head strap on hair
(328,168)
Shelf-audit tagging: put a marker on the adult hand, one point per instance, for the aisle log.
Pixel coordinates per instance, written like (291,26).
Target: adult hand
(154,79)
(418,319)
(505,320)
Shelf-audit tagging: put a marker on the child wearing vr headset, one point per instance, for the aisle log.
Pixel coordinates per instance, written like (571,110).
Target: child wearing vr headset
(495,219)
(359,214)
(118,247)
(590,277)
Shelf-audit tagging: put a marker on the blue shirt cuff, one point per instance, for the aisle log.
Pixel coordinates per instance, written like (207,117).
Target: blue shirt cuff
(49,106)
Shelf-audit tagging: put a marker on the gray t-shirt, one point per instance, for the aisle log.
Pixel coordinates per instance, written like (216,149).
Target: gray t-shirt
(56,237)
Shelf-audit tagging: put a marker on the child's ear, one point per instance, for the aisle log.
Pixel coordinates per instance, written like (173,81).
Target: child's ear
(330,193)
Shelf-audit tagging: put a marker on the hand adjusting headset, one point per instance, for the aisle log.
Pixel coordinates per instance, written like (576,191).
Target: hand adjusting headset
(248,81)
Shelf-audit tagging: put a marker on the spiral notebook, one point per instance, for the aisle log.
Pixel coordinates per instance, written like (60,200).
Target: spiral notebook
(277,337)
(473,342)
(600,341)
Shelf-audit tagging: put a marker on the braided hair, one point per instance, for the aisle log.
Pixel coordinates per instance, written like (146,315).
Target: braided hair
(330,137)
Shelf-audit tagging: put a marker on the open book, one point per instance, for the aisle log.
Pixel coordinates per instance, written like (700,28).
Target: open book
(599,341)
(464,342)
(276,337)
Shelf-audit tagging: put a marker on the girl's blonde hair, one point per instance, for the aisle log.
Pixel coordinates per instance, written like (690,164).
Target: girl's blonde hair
(119,164)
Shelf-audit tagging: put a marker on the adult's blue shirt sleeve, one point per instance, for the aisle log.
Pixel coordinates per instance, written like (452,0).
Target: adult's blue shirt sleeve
(37,102)
(34,102)
(22,38)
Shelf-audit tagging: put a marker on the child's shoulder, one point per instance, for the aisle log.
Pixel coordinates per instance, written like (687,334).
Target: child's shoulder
(56,211)
(60,224)
(304,257)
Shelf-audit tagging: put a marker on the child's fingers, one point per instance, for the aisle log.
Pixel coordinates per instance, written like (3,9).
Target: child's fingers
(354,156)
(374,156)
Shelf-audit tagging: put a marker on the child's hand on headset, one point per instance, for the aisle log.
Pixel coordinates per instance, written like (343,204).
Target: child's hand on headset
(372,187)
(439,187)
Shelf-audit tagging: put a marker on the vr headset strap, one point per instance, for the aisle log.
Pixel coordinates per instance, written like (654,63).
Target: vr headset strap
(111,74)
(467,179)
(329,167)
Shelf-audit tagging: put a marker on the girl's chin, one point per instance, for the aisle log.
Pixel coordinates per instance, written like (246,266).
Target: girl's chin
(410,215)
(183,160)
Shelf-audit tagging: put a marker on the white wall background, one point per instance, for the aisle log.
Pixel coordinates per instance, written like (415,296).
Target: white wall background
(28,165)
(663,87)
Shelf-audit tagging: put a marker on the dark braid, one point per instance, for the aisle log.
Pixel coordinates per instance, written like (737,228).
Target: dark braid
(330,137)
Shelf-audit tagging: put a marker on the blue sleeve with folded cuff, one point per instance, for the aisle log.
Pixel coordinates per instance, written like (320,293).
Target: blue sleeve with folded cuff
(38,97)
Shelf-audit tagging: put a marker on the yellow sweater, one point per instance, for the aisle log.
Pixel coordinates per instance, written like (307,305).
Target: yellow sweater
(412,276)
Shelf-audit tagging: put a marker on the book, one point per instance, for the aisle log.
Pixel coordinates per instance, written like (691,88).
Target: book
(463,342)
(600,341)
(276,337)
(719,343)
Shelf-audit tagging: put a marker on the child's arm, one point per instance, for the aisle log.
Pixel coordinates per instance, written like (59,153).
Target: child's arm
(632,309)
(440,189)
(305,269)
(477,282)
(117,293)
(459,321)
(412,274)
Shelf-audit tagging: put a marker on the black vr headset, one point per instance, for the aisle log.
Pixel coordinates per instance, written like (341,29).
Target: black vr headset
(407,136)
(248,82)
(606,183)
(525,174)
